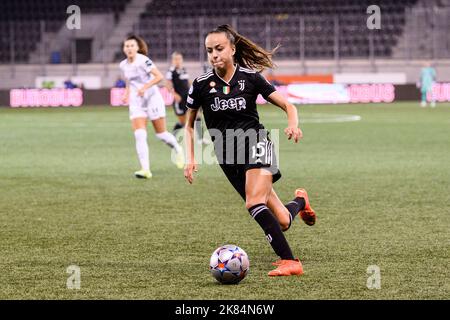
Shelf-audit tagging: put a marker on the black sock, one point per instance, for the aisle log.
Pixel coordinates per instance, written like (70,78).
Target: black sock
(294,207)
(177,126)
(262,214)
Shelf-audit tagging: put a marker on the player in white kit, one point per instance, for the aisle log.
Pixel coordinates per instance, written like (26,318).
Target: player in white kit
(145,102)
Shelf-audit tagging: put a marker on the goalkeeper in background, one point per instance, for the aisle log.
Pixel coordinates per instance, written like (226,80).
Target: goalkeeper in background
(427,78)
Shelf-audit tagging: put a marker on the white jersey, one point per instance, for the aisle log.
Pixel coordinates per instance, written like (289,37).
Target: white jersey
(137,74)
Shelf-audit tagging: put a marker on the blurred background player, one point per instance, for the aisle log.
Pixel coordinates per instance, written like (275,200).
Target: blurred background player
(427,78)
(145,102)
(178,84)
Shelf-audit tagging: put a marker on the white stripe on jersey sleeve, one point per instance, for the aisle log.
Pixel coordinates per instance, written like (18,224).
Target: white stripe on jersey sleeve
(246,70)
(205,76)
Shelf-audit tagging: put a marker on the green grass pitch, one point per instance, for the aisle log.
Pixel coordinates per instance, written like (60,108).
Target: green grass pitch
(380,187)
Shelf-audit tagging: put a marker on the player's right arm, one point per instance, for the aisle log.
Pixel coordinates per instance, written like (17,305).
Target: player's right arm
(193,104)
(191,165)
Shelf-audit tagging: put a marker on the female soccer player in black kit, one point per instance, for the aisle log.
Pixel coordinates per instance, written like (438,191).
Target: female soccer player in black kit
(227,94)
(178,83)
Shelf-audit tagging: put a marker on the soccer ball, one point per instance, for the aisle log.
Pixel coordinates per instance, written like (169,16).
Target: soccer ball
(229,264)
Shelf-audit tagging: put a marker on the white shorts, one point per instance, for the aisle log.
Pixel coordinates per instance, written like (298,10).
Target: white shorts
(151,107)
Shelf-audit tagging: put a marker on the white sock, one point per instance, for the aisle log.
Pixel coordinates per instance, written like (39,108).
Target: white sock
(170,140)
(142,148)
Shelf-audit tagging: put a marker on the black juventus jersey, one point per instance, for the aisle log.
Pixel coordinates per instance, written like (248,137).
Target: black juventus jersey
(180,80)
(229,105)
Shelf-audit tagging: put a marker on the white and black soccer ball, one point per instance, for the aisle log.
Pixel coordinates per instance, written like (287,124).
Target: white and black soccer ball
(229,264)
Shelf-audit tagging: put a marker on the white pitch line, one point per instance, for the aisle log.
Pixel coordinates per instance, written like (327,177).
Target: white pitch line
(349,118)
(321,118)
(309,118)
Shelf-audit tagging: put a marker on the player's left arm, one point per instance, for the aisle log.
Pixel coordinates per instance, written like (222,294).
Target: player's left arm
(269,92)
(292,131)
(157,78)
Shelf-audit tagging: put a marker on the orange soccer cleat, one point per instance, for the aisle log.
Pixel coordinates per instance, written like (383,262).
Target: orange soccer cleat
(307,214)
(287,268)
(277,263)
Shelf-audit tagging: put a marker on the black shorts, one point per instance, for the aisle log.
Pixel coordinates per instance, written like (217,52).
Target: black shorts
(180,107)
(236,176)
(261,155)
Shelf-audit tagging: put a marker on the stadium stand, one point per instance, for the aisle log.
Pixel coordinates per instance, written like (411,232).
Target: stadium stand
(318,18)
(21,19)
(311,29)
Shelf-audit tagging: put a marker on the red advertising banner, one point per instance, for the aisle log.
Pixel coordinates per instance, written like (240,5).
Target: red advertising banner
(371,93)
(116,96)
(25,98)
(314,93)
(440,92)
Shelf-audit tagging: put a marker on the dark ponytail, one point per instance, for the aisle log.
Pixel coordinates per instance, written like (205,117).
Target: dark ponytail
(143,48)
(248,54)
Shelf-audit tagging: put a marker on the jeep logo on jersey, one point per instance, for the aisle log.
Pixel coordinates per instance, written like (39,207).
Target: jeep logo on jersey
(232,103)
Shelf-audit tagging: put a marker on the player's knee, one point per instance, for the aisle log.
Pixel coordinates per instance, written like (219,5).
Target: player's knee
(285,225)
(254,197)
(162,135)
(253,201)
(140,134)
